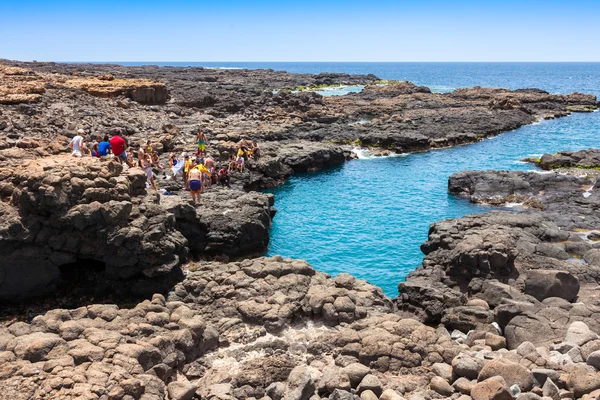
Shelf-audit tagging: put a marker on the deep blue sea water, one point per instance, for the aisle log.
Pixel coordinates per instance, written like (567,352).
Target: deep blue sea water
(368,217)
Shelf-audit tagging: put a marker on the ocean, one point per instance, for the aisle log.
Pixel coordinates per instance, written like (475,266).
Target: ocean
(369,217)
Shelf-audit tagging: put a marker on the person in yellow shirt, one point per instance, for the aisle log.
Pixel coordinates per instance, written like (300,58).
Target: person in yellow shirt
(205,175)
(186,169)
(241,153)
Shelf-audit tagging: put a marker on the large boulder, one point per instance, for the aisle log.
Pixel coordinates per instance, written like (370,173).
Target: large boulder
(494,388)
(543,284)
(582,380)
(510,371)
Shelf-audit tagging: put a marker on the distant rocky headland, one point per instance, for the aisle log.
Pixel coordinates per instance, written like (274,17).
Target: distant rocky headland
(138,294)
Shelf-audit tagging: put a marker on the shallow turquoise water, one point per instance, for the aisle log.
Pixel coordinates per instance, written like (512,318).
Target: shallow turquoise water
(369,217)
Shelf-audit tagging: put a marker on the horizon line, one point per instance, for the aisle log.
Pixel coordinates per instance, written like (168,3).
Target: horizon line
(312,62)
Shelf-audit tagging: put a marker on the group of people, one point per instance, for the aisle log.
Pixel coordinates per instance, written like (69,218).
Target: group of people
(199,170)
(116,146)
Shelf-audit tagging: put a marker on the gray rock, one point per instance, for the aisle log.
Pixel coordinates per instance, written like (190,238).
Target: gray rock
(356,372)
(575,354)
(594,359)
(343,395)
(181,390)
(276,390)
(579,334)
(528,328)
(560,359)
(543,284)
(542,374)
(550,390)
(370,382)
(333,378)
(467,366)
(300,384)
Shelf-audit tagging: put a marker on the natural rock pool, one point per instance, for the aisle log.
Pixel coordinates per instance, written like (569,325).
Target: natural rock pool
(369,217)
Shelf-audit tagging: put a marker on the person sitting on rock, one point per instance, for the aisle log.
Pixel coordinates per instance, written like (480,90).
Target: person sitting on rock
(130,157)
(77,144)
(224,177)
(201,139)
(232,163)
(146,164)
(195,184)
(242,152)
(103,147)
(148,148)
(118,146)
(255,149)
(239,165)
(214,176)
(156,161)
(95,143)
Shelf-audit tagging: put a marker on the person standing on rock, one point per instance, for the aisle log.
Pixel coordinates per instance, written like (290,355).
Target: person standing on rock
(255,149)
(187,166)
(195,183)
(77,144)
(201,142)
(209,162)
(147,168)
(118,146)
(140,154)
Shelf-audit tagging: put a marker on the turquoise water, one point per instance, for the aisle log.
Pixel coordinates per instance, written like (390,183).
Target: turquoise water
(369,217)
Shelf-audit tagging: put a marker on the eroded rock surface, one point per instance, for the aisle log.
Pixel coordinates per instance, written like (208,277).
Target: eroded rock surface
(251,328)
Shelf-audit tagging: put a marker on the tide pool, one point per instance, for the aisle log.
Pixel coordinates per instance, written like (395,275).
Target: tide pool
(369,217)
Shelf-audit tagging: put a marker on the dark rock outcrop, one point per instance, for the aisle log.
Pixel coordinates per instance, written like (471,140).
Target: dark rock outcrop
(67,212)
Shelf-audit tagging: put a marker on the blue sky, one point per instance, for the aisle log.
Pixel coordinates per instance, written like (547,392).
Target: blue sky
(266,30)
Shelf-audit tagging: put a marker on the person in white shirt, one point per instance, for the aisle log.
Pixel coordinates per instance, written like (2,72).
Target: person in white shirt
(77,144)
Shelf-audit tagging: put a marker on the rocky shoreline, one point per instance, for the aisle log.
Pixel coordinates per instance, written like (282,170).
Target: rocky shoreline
(504,306)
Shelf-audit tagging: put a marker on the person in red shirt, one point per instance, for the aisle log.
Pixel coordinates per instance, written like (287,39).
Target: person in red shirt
(118,145)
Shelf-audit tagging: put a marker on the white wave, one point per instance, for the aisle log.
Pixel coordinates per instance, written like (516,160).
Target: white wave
(537,171)
(539,121)
(513,205)
(360,122)
(365,154)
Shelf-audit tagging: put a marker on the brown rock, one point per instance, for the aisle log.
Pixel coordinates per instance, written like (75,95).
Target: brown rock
(494,388)
(511,372)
